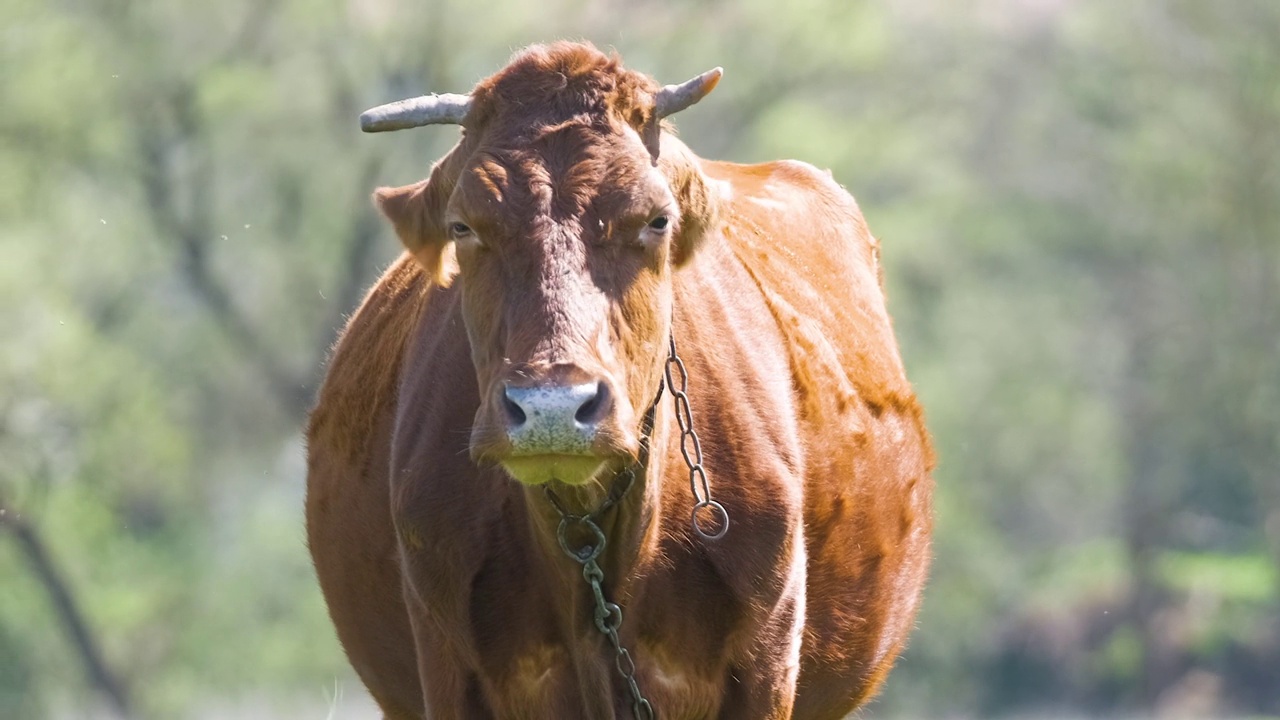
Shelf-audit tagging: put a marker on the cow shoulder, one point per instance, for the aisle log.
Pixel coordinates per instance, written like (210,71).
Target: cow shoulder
(364,364)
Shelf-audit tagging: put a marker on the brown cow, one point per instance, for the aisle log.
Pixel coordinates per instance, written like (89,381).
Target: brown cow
(519,348)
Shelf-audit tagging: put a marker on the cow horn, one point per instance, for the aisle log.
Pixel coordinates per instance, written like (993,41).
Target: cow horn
(672,99)
(447,109)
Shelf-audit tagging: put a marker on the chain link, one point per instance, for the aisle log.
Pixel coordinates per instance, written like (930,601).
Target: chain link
(691,448)
(608,616)
(608,621)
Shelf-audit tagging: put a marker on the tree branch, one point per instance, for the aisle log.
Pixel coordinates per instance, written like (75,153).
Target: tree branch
(67,610)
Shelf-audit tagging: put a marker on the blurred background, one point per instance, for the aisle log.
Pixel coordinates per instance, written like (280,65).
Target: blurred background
(1079,203)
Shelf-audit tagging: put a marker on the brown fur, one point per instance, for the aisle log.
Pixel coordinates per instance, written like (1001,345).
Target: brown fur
(442,573)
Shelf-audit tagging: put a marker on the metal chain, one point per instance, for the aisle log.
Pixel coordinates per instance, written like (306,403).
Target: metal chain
(691,448)
(608,615)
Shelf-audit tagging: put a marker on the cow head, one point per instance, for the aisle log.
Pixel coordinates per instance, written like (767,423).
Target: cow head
(562,212)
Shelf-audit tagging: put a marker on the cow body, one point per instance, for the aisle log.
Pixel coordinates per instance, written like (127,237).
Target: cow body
(443,575)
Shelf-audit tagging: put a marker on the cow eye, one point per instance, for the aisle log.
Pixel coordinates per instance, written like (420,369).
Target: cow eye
(459,230)
(660,223)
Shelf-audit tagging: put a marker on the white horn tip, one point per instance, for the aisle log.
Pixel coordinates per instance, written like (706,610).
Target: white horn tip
(386,118)
(377,120)
(368,121)
(672,99)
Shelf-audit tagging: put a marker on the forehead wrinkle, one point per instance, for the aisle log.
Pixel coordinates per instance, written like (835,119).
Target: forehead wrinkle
(577,187)
(571,169)
(598,170)
(534,178)
(629,189)
(492,178)
(512,178)
(574,156)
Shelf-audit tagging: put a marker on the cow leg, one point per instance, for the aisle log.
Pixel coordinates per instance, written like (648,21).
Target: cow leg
(765,687)
(450,691)
(357,566)
(762,684)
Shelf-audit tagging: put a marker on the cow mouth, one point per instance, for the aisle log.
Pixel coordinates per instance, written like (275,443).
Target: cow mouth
(544,468)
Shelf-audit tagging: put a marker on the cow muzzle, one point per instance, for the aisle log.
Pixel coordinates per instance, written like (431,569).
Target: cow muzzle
(560,424)
(557,419)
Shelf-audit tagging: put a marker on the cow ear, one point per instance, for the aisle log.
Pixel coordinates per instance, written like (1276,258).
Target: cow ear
(696,194)
(417,213)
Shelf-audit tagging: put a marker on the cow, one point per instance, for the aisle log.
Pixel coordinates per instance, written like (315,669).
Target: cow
(623,432)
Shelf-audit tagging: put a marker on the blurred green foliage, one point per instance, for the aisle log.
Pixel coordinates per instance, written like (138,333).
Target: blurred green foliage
(1079,203)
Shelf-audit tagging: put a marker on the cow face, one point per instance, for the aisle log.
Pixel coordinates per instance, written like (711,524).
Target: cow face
(563,230)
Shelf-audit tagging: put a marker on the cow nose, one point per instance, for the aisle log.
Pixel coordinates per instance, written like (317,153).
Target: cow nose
(554,418)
